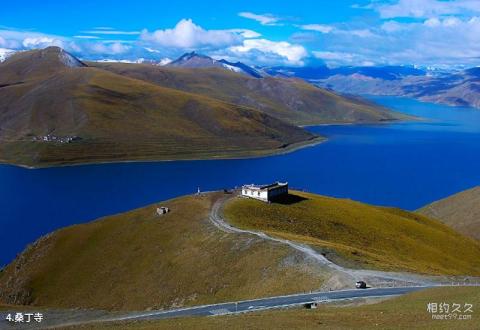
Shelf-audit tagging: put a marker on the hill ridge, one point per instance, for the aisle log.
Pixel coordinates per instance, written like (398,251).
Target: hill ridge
(461,211)
(97,115)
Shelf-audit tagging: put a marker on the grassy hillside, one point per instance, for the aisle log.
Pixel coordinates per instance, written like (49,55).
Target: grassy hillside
(138,260)
(115,117)
(405,312)
(291,100)
(362,235)
(460,211)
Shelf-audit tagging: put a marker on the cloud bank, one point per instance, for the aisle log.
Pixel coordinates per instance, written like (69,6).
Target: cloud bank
(422,32)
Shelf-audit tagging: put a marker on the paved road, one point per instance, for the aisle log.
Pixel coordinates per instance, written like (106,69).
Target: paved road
(274,302)
(52,322)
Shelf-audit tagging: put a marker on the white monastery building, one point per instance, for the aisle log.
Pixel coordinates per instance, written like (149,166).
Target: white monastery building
(266,193)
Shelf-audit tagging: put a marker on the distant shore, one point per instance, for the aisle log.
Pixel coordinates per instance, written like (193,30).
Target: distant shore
(247,154)
(240,155)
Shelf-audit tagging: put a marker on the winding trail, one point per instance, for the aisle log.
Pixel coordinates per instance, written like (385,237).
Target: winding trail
(372,276)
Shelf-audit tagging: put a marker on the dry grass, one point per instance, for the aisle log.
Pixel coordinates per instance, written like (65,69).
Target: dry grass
(460,211)
(291,100)
(137,260)
(360,235)
(405,312)
(121,118)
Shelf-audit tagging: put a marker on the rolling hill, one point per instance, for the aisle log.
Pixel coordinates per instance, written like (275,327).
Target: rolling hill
(291,100)
(139,260)
(460,211)
(57,110)
(360,235)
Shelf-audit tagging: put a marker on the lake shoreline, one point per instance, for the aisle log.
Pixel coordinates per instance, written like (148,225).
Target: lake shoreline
(402,164)
(264,153)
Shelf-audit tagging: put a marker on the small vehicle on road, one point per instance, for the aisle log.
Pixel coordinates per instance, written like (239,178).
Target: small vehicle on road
(361,285)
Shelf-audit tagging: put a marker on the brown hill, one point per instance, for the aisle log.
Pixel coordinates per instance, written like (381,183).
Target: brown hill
(291,100)
(56,110)
(28,65)
(139,260)
(460,211)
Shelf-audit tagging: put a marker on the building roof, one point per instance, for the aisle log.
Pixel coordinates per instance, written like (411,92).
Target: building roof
(266,187)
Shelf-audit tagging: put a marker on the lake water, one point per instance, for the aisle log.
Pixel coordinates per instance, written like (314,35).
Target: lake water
(403,164)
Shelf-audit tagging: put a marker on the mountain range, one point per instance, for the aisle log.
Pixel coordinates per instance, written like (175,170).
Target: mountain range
(291,100)
(57,109)
(451,87)
(458,88)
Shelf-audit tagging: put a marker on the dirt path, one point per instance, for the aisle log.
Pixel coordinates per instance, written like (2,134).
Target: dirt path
(373,277)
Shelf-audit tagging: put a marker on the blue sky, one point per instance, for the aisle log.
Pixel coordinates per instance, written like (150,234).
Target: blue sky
(341,32)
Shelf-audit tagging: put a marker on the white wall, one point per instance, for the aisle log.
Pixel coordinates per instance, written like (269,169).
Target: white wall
(255,194)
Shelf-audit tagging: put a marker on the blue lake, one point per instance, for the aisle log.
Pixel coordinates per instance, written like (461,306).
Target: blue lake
(403,164)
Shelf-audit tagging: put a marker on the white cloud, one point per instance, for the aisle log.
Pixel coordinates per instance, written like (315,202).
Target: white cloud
(336,56)
(86,37)
(165,61)
(246,33)
(363,33)
(242,44)
(25,39)
(115,48)
(291,53)
(392,26)
(151,50)
(41,42)
(111,32)
(426,8)
(342,58)
(188,35)
(328,29)
(264,19)
(446,40)
(317,27)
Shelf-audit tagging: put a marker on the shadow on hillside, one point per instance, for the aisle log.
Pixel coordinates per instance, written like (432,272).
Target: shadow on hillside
(289,199)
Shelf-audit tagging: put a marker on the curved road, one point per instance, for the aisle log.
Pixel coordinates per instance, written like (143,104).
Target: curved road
(354,274)
(412,283)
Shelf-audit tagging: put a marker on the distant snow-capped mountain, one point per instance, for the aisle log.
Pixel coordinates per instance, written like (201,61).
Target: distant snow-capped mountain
(112,60)
(324,72)
(163,61)
(431,84)
(194,60)
(5,53)
(242,68)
